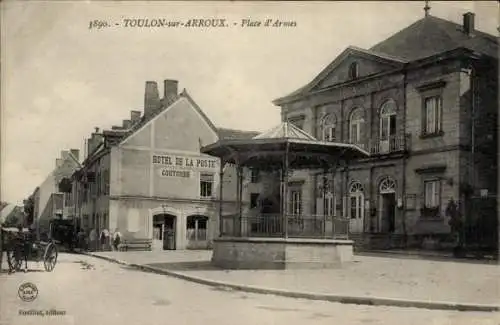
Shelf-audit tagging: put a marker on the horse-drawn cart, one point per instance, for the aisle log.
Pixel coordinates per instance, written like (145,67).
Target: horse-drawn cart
(22,244)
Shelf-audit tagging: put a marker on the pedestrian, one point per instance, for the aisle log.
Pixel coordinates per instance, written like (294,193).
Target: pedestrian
(106,240)
(116,239)
(93,240)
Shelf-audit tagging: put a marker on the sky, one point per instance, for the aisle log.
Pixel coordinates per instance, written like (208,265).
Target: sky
(61,79)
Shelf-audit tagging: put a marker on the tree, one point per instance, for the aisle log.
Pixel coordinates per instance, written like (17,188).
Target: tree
(29,210)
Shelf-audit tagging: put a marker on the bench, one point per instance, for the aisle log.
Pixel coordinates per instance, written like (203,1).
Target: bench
(137,244)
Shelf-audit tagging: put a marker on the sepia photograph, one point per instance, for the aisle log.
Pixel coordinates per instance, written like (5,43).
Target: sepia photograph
(249,162)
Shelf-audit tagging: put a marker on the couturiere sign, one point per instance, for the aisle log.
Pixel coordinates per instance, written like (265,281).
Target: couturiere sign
(185,162)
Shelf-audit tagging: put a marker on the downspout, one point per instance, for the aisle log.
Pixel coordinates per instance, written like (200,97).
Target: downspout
(403,181)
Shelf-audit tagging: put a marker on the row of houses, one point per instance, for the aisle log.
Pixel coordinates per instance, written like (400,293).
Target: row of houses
(423,103)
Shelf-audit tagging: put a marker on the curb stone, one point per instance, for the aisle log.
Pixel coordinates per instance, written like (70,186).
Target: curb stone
(371,301)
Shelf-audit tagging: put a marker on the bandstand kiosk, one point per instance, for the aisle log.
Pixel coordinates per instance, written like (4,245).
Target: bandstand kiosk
(282,240)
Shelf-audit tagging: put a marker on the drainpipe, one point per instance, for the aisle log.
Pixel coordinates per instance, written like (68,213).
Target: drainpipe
(403,181)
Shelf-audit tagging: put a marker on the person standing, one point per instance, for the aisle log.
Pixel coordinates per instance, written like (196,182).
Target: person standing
(93,240)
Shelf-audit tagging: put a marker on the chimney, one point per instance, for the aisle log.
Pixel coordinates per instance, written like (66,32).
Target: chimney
(170,90)
(64,154)
(127,124)
(94,141)
(135,116)
(59,162)
(76,153)
(468,25)
(151,98)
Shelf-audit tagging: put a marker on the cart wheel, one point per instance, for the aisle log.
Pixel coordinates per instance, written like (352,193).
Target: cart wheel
(14,257)
(50,257)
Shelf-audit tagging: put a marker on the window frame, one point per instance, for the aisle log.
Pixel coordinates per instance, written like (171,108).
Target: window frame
(436,195)
(295,205)
(438,114)
(387,116)
(202,182)
(328,123)
(359,122)
(356,192)
(254,175)
(353,70)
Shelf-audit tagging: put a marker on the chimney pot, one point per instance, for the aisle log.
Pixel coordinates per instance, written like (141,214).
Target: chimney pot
(468,24)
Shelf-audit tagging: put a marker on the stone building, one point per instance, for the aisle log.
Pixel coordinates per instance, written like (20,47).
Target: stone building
(49,200)
(424,103)
(147,178)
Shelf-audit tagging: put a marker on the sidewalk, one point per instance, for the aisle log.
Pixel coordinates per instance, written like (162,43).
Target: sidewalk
(425,282)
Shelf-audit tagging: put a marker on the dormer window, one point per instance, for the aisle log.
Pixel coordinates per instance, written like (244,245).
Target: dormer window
(353,70)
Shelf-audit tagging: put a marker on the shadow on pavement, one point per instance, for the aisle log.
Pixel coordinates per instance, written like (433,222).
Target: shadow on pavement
(186,266)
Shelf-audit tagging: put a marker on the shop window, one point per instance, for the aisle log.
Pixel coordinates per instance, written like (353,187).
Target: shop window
(196,228)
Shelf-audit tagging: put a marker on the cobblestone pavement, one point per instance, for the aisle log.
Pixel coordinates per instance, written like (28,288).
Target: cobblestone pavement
(389,277)
(93,291)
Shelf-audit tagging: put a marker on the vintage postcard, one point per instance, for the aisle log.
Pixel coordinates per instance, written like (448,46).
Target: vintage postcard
(249,162)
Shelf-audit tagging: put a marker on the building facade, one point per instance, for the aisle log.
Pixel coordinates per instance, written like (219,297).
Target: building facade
(49,200)
(148,180)
(424,104)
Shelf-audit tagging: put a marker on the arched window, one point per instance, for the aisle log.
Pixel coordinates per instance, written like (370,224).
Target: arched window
(387,120)
(328,124)
(355,124)
(356,200)
(353,70)
(387,185)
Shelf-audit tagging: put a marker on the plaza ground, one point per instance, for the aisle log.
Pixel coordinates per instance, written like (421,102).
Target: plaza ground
(376,276)
(94,291)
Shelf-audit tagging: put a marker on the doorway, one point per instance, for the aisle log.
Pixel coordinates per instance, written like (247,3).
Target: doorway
(356,206)
(388,212)
(164,234)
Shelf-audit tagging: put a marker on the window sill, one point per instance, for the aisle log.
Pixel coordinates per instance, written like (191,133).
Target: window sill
(431,135)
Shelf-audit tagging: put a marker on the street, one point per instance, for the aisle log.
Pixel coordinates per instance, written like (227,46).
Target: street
(86,290)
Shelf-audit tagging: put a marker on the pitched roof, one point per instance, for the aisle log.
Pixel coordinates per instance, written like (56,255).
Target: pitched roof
(394,60)
(285,130)
(226,134)
(432,35)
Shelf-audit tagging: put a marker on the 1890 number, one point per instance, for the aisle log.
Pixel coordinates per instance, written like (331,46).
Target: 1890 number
(98,24)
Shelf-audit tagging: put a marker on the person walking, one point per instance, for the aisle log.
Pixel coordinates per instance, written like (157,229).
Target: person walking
(116,239)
